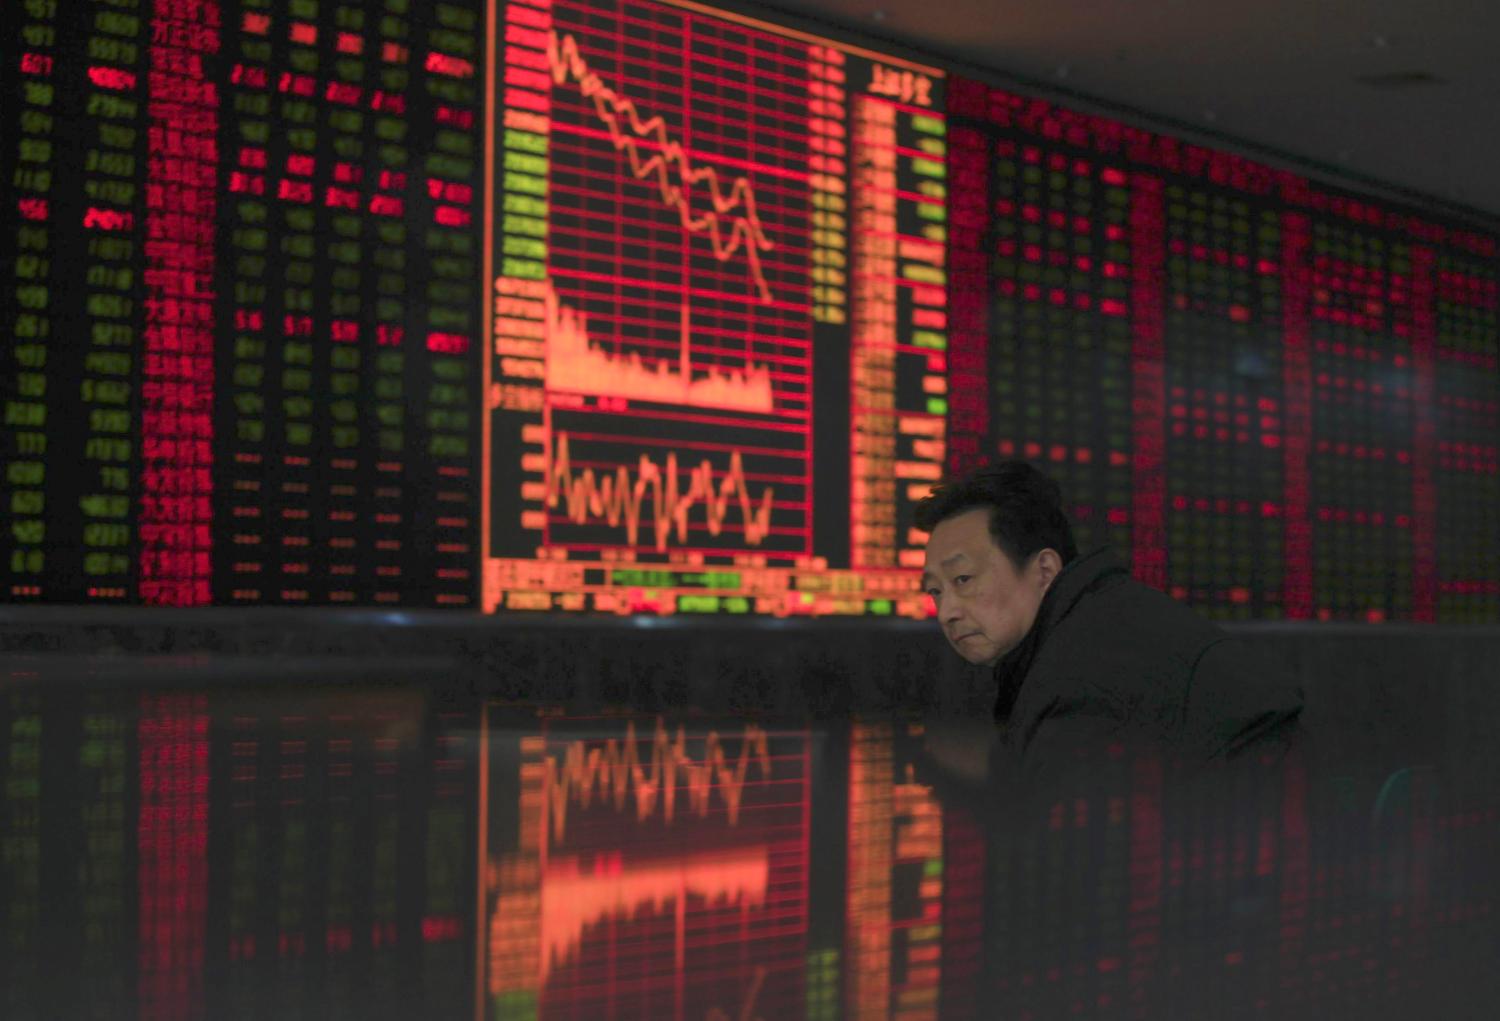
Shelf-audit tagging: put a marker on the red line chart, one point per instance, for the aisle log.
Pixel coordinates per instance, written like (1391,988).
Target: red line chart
(626,127)
(616,772)
(590,498)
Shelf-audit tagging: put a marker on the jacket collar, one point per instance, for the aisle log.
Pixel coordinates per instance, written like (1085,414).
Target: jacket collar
(1074,581)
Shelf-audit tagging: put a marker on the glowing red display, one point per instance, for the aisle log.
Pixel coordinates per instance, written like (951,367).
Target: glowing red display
(648,307)
(235,418)
(1278,402)
(656,365)
(642,851)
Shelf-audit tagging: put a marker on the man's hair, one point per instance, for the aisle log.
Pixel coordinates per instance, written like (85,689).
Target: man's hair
(1025,509)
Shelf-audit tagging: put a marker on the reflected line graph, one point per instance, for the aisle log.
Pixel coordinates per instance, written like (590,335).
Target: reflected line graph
(615,772)
(577,365)
(744,230)
(747,1005)
(572,899)
(615,497)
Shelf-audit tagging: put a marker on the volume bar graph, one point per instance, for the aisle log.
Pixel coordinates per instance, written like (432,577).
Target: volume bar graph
(576,364)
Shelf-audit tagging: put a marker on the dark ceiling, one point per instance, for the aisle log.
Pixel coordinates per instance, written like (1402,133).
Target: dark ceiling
(1400,94)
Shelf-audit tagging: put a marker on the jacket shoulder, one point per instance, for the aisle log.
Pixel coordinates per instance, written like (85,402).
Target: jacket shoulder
(1134,628)
(1125,652)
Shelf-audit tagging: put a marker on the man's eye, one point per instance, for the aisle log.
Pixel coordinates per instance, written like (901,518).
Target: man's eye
(961,579)
(932,592)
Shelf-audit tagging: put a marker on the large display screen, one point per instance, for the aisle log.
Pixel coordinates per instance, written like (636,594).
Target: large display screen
(1238,376)
(645,306)
(718,313)
(238,367)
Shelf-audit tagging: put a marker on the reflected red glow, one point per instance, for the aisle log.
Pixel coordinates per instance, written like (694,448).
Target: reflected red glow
(574,899)
(616,773)
(172,840)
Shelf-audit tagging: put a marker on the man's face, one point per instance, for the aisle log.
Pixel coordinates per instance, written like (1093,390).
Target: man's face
(984,604)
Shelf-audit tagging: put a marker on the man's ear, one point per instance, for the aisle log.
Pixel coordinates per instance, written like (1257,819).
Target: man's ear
(1049,565)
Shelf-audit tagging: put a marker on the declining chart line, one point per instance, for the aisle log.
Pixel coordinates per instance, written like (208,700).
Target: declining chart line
(616,771)
(618,496)
(612,108)
(577,365)
(572,899)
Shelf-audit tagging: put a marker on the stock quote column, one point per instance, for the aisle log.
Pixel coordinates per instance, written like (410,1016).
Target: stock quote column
(26,219)
(673,402)
(177,379)
(1375,312)
(71,412)
(899,385)
(1223,423)
(265,217)
(1467,342)
(969,266)
(350,292)
(1364,312)
(1052,222)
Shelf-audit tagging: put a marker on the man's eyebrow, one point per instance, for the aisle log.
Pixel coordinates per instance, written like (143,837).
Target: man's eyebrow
(944,563)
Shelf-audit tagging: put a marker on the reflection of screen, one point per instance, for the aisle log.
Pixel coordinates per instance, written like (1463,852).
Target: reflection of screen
(646,307)
(658,870)
(232,853)
(915,886)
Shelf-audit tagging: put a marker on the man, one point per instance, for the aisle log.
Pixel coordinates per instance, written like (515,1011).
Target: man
(1084,656)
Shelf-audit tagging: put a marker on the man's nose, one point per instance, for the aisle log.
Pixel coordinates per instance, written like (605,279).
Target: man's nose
(948,609)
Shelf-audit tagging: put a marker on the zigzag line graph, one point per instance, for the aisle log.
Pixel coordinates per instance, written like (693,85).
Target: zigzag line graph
(744,230)
(616,772)
(615,497)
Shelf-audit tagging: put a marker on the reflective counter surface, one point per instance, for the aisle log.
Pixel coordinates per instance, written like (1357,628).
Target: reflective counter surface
(385,851)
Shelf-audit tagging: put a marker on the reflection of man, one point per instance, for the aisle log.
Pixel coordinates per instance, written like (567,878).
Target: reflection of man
(1083,655)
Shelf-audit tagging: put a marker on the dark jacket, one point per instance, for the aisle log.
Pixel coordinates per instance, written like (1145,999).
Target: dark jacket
(1110,661)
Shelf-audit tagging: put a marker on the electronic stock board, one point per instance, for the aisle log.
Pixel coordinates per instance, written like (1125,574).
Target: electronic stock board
(652,307)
